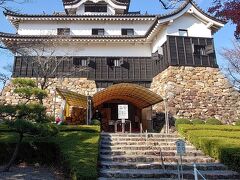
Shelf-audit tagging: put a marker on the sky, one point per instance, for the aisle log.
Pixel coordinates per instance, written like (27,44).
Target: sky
(223,38)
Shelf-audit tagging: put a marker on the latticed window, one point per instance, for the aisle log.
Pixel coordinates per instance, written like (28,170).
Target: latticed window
(79,61)
(95,7)
(63,31)
(199,49)
(128,32)
(99,32)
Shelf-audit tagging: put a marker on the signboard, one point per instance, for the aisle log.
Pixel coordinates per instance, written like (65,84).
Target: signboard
(122,111)
(181,147)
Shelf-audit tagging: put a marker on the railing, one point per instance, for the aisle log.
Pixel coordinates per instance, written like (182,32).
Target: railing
(196,173)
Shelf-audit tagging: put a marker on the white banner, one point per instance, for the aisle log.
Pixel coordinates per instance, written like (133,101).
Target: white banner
(122,111)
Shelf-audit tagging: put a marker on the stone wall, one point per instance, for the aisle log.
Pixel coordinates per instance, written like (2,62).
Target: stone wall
(197,92)
(79,85)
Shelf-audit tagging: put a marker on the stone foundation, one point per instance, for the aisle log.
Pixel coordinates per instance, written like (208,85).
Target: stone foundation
(192,92)
(197,92)
(79,85)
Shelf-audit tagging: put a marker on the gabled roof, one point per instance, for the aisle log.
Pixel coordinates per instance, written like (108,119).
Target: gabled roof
(60,16)
(157,21)
(69,3)
(120,2)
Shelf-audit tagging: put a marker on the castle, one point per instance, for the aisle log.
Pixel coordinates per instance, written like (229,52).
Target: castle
(132,59)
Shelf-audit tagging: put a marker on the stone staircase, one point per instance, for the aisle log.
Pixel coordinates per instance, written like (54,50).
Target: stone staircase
(153,156)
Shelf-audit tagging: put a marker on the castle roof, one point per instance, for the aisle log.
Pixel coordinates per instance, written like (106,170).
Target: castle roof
(121,2)
(157,22)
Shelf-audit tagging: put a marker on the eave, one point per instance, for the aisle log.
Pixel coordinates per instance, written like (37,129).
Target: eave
(16,18)
(12,38)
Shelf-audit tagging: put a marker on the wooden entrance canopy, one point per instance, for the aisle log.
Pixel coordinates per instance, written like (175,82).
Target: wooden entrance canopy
(73,98)
(135,94)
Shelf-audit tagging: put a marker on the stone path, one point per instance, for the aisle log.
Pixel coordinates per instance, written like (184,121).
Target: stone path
(31,173)
(136,156)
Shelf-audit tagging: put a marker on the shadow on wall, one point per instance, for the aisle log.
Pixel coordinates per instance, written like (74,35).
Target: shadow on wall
(159,122)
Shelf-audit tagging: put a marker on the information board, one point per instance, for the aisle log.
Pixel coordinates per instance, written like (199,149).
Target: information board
(181,147)
(123,111)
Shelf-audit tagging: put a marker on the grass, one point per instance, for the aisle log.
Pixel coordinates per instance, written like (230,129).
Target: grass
(219,141)
(77,148)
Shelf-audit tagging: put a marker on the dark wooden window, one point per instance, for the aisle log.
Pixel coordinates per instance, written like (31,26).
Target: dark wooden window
(115,62)
(128,32)
(118,62)
(199,49)
(93,7)
(99,32)
(78,61)
(63,31)
(183,32)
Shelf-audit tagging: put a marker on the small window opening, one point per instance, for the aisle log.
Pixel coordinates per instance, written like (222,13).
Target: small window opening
(183,32)
(99,32)
(63,31)
(200,50)
(77,61)
(116,62)
(127,32)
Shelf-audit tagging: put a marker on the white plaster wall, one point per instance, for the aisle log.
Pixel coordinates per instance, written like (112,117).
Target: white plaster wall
(98,49)
(160,39)
(82,27)
(195,27)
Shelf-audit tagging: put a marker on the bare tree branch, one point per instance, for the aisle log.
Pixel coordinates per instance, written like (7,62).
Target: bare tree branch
(232,55)
(45,62)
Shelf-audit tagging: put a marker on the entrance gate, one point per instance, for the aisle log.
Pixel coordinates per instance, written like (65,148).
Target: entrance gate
(138,98)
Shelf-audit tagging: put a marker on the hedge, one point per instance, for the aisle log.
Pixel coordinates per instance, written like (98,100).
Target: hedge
(213,121)
(182,121)
(186,127)
(75,149)
(220,142)
(197,121)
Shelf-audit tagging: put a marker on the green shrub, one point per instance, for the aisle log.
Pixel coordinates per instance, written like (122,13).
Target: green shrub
(213,121)
(182,121)
(96,122)
(219,141)
(75,149)
(197,121)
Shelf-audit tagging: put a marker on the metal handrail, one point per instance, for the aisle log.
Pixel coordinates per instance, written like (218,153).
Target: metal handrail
(197,172)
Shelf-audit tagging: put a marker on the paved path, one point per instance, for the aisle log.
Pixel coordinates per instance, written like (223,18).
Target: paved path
(31,173)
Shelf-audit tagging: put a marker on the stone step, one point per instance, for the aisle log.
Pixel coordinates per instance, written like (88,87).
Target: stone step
(103,178)
(152,143)
(159,173)
(138,135)
(144,147)
(157,165)
(148,152)
(146,158)
(140,139)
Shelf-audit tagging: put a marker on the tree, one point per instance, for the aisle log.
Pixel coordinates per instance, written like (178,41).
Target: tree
(43,57)
(3,3)
(227,10)
(28,119)
(232,55)
(28,89)
(5,76)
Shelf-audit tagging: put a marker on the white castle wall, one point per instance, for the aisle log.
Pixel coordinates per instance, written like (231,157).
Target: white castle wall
(82,27)
(195,27)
